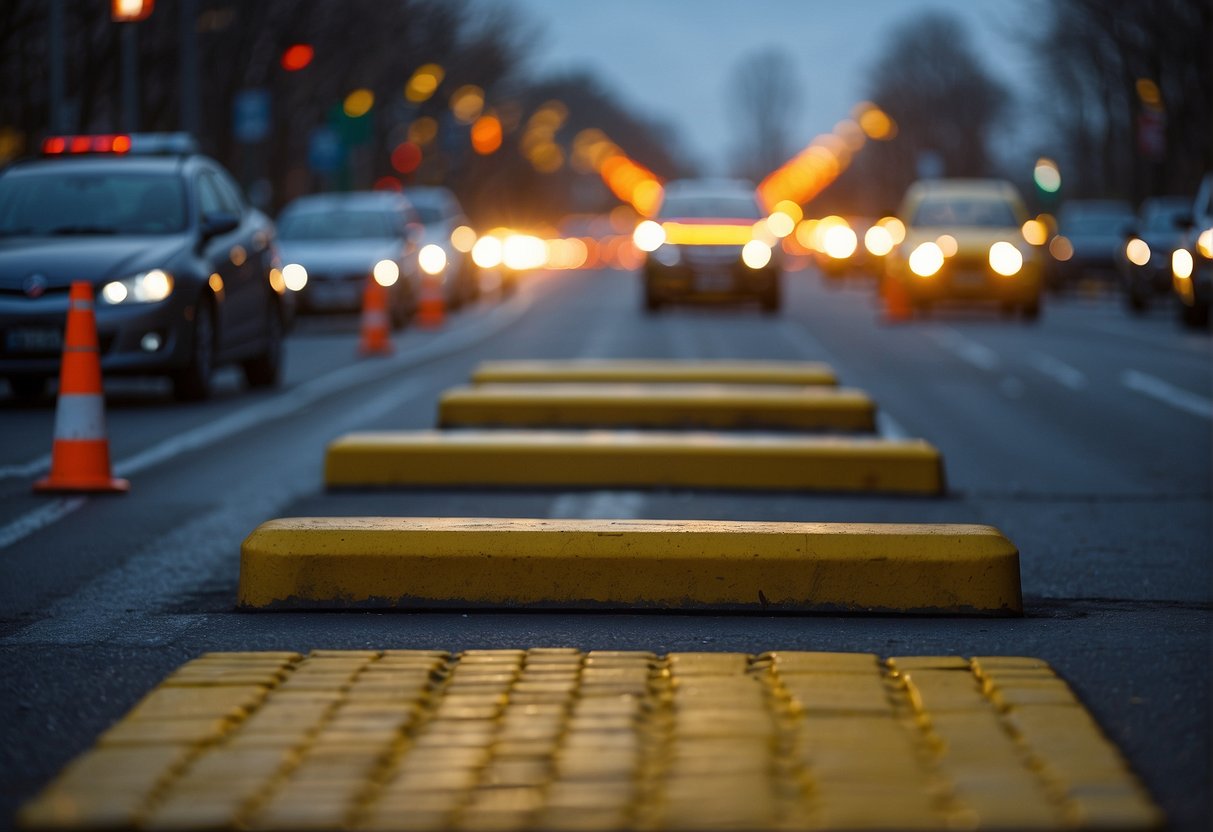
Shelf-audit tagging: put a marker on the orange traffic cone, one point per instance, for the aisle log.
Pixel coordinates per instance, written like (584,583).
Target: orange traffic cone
(80,456)
(431,307)
(896,301)
(376,326)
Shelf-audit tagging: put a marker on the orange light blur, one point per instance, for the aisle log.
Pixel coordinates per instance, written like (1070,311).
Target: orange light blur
(686,234)
(424,83)
(297,57)
(486,135)
(130,11)
(1061,249)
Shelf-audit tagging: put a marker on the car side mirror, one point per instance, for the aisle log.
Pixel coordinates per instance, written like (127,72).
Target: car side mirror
(1185,221)
(215,224)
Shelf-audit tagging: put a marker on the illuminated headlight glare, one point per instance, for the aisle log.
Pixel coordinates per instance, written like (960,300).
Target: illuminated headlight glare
(1137,251)
(1005,258)
(926,259)
(521,252)
(432,259)
(386,272)
(1204,243)
(1181,263)
(878,240)
(756,254)
(840,242)
(648,236)
(486,253)
(294,276)
(668,255)
(148,287)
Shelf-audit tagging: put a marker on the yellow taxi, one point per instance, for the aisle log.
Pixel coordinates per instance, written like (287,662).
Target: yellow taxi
(966,240)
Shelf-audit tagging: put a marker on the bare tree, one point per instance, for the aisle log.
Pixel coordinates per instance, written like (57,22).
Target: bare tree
(766,99)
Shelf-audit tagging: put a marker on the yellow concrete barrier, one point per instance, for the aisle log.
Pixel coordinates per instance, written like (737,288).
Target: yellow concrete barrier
(554,738)
(656,370)
(657,405)
(633,460)
(660,564)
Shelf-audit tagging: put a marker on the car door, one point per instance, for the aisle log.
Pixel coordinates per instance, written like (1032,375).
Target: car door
(216,255)
(248,291)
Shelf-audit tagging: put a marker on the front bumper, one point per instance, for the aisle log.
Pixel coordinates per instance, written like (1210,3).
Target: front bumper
(971,282)
(31,334)
(714,282)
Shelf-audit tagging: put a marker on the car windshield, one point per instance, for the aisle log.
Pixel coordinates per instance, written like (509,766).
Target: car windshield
(738,207)
(339,224)
(1096,224)
(53,201)
(957,212)
(1161,218)
(428,213)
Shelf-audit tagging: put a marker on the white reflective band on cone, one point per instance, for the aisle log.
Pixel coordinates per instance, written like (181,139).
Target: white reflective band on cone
(80,416)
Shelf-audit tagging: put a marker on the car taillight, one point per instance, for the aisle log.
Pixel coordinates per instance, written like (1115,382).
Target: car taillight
(105,143)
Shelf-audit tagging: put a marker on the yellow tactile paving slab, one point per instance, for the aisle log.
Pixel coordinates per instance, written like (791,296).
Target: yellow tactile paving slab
(411,562)
(655,370)
(622,459)
(657,406)
(557,739)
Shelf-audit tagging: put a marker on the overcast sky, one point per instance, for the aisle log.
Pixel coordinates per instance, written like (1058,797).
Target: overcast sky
(671,59)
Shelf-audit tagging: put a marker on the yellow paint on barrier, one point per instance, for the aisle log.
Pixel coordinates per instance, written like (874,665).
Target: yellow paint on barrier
(634,460)
(554,738)
(658,405)
(795,373)
(657,564)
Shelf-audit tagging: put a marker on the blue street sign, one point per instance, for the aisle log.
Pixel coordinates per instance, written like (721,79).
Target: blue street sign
(324,150)
(251,115)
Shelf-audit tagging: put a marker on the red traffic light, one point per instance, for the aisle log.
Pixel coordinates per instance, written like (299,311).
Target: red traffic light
(297,57)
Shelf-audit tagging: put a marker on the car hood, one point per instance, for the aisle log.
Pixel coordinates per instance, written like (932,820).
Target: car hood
(1095,243)
(338,255)
(970,242)
(61,260)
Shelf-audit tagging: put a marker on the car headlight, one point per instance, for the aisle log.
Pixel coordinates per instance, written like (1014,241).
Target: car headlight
(1204,243)
(294,276)
(1005,258)
(1181,263)
(432,259)
(668,255)
(648,236)
(926,259)
(756,254)
(386,272)
(147,287)
(1137,251)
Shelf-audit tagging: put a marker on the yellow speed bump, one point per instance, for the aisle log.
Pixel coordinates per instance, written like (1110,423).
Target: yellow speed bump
(554,738)
(633,460)
(654,370)
(435,562)
(658,405)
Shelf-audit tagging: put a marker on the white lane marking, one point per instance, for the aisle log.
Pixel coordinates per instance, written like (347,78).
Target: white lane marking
(26,469)
(1167,393)
(1058,370)
(39,518)
(970,352)
(156,578)
(599,505)
(285,404)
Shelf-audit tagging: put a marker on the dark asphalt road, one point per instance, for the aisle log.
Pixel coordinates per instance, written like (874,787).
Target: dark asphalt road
(1086,438)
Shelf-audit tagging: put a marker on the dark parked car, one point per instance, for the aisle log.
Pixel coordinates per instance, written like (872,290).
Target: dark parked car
(1145,260)
(1192,260)
(332,243)
(184,270)
(707,246)
(1090,240)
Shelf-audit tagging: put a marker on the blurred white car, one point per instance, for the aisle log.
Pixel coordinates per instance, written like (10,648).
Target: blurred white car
(441,214)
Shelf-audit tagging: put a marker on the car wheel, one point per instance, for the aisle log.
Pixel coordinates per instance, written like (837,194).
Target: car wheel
(1031,311)
(652,303)
(402,308)
(771,302)
(193,382)
(265,369)
(1136,301)
(27,387)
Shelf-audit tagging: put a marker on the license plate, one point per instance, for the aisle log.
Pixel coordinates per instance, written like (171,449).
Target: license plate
(713,282)
(334,294)
(33,340)
(968,280)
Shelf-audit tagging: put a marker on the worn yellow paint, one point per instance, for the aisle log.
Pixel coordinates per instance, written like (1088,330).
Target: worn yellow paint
(625,459)
(422,562)
(656,370)
(553,738)
(657,405)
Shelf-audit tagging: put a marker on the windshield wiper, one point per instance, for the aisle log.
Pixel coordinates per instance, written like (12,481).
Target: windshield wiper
(64,230)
